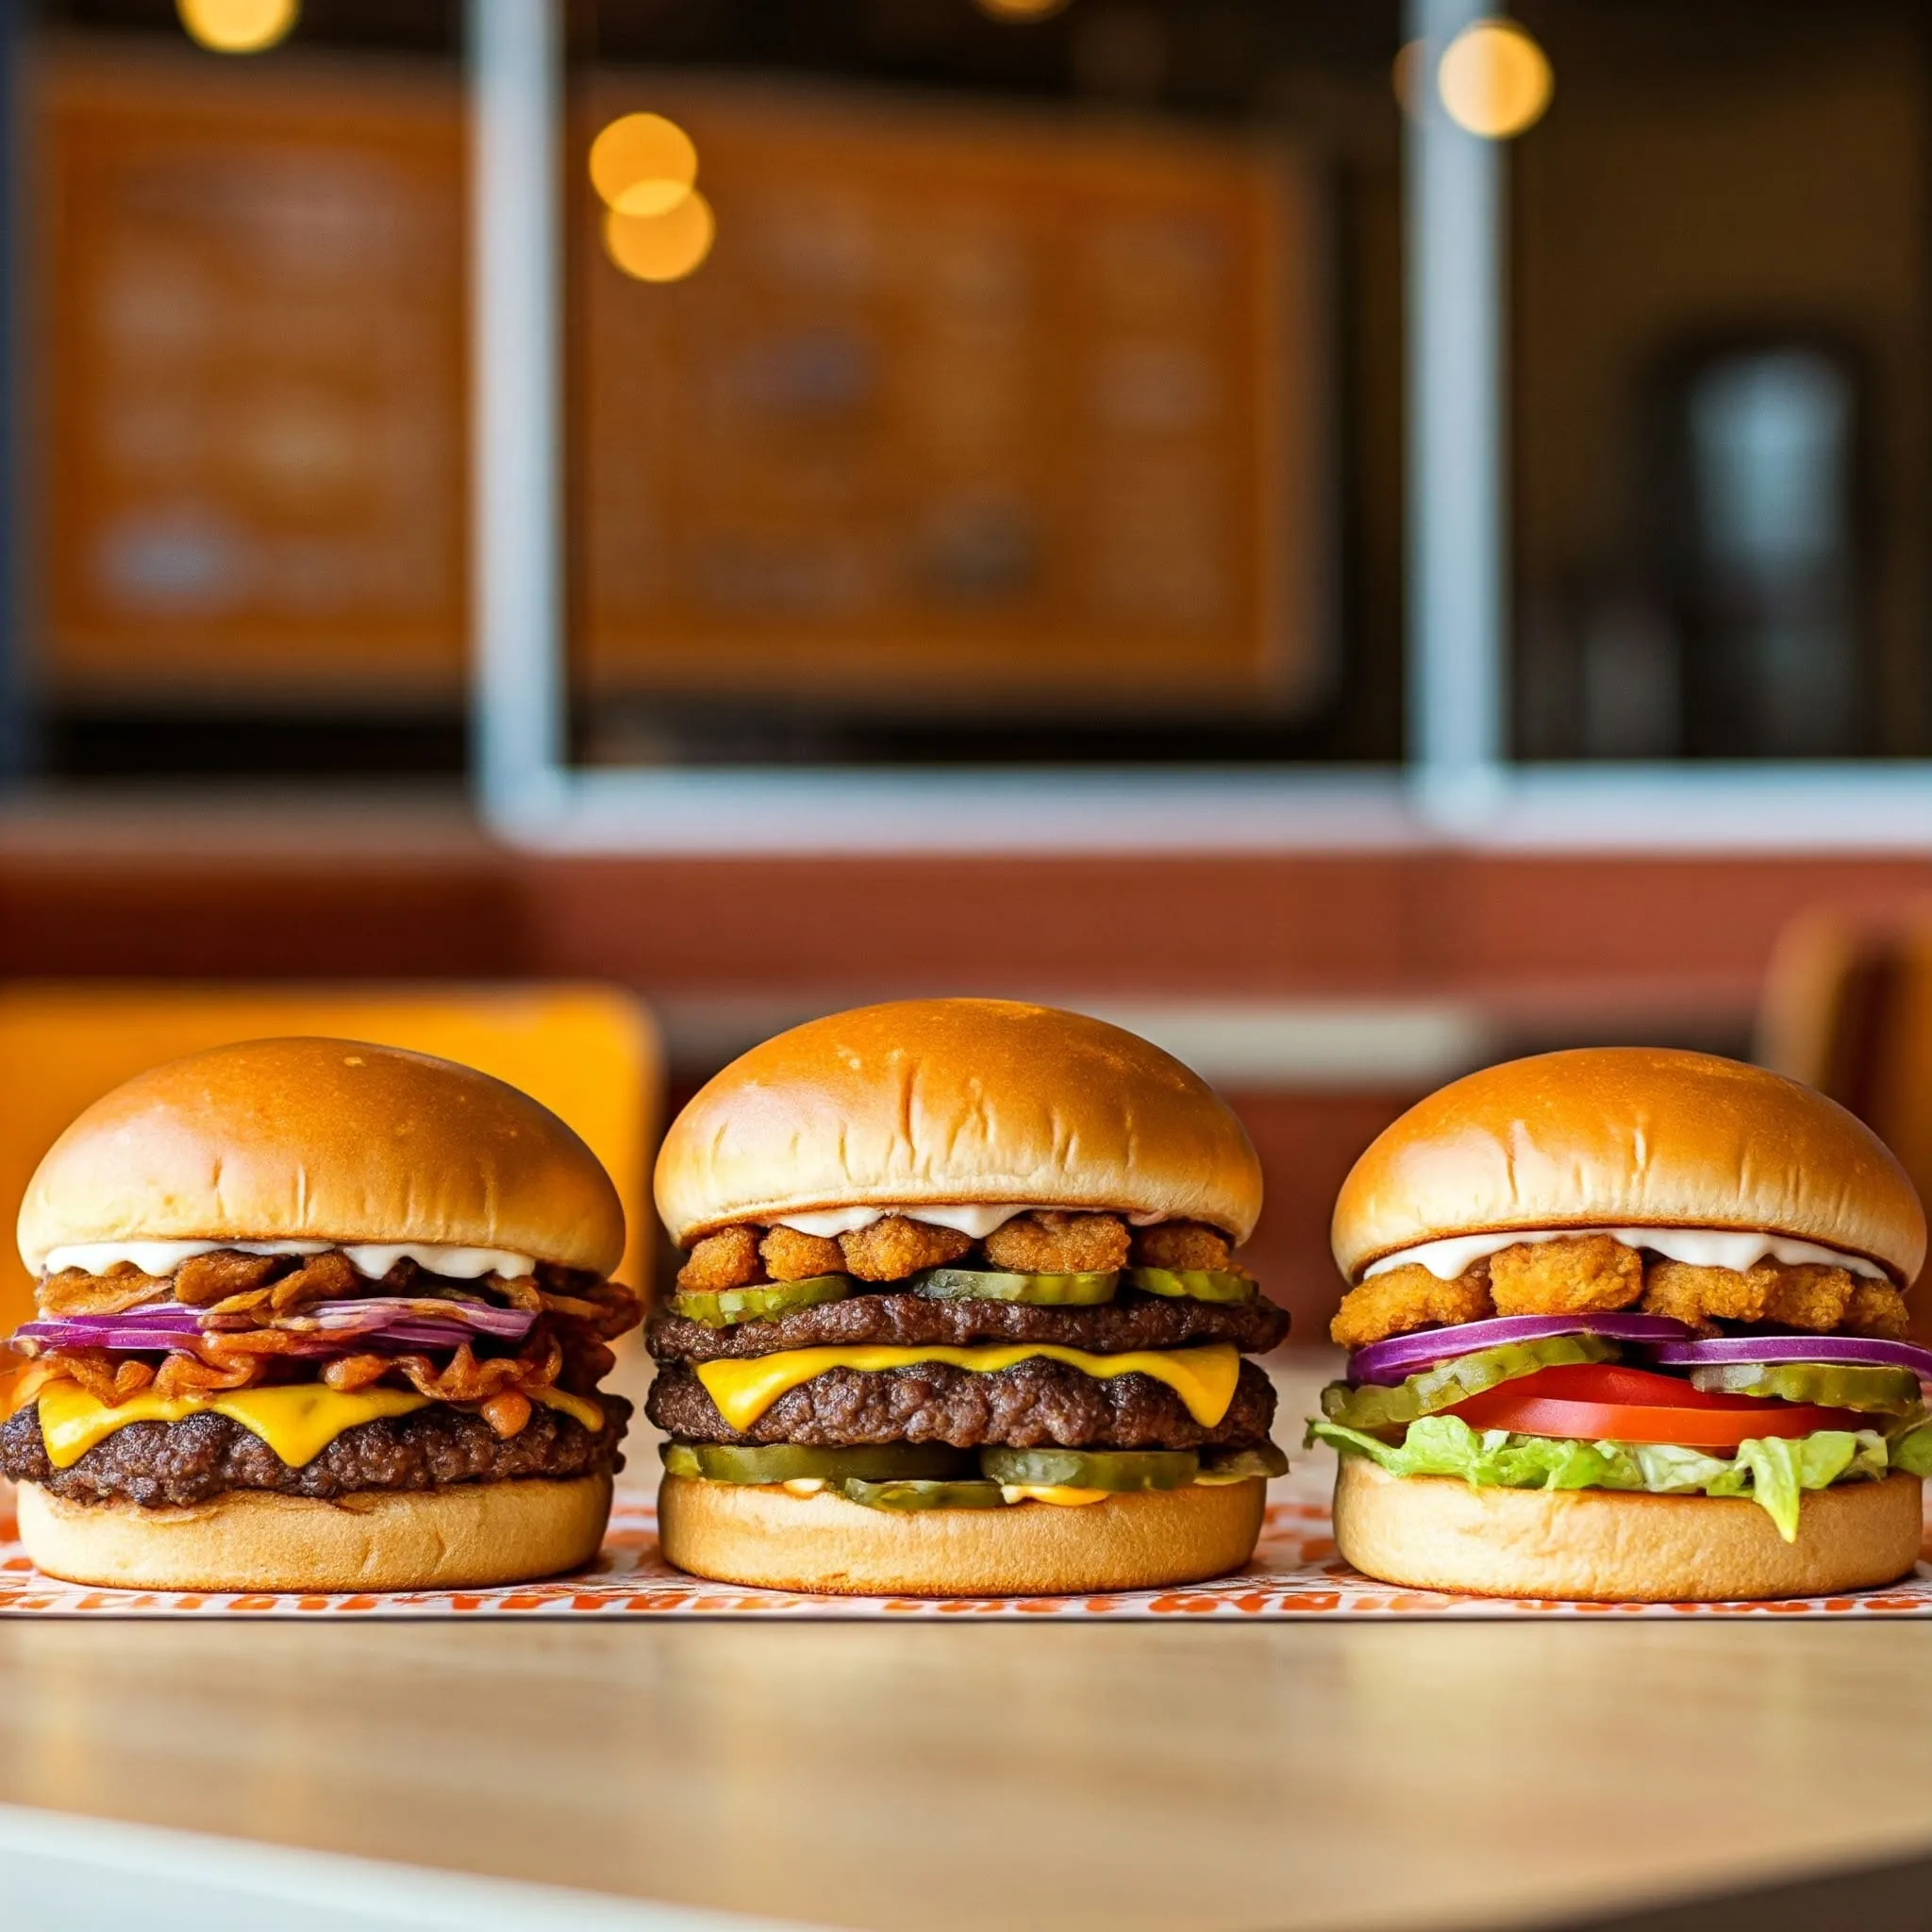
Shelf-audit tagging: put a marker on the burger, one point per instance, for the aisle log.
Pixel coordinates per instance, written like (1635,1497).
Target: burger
(962,1313)
(314,1315)
(1629,1324)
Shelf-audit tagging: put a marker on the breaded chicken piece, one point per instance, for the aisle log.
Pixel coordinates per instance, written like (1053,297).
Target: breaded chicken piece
(891,1249)
(1049,1243)
(1180,1245)
(1808,1296)
(1406,1299)
(789,1255)
(726,1259)
(1876,1308)
(1575,1276)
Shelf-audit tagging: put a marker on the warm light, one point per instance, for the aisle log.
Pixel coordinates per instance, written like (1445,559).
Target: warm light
(665,247)
(238,26)
(1495,79)
(643,164)
(1019,9)
(1408,75)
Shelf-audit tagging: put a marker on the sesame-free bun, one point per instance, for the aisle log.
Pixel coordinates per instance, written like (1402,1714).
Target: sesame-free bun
(1629,1136)
(935,1101)
(1436,1532)
(324,1139)
(744,1533)
(463,1537)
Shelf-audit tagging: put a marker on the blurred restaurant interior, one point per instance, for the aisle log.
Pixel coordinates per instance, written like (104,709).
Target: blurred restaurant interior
(1356,537)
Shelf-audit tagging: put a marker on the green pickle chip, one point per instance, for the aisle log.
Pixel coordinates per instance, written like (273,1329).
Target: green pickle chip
(922,1495)
(1370,1406)
(1038,1290)
(1193,1284)
(790,1462)
(1241,1465)
(1090,1469)
(723,1307)
(1832,1385)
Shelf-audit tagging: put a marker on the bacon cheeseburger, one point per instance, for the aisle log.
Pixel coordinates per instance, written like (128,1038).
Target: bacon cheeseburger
(1629,1324)
(316,1315)
(960,1315)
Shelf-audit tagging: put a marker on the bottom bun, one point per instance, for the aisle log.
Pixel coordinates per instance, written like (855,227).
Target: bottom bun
(462,1537)
(741,1532)
(1435,1532)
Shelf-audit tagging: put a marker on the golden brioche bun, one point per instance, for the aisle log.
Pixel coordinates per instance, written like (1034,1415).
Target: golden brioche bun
(463,1537)
(328,1141)
(1629,1136)
(932,1102)
(1433,1532)
(740,1533)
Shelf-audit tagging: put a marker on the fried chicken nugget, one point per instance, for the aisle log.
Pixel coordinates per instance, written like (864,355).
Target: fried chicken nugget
(1876,1308)
(1049,1243)
(1406,1299)
(789,1255)
(1577,1275)
(1808,1296)
(1180,1245)
(891,1249)
(726,1259)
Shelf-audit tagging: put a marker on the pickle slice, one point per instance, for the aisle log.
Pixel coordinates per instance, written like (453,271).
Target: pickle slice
(791,1462)
(1090,1469)
(723,1307)
(1832,1385)
(924,1495)
(1373,1406)
(1241,1465)
(1038,1290)
(1195,1284)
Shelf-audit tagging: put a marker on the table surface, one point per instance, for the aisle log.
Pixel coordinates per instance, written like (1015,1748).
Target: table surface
(942,1775)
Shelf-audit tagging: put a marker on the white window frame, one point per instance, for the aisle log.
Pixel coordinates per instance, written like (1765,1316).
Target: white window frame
(1458,786)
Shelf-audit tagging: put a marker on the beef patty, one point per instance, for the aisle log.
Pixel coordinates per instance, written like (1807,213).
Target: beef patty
(912,1321)
(1030,1406)
(206,1455)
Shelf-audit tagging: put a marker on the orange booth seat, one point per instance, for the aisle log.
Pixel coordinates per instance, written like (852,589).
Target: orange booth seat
(589,1052)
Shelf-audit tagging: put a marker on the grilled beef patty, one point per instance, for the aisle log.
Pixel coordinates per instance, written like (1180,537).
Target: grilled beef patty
(1033,1405)
(206,1455)
(1132,1321)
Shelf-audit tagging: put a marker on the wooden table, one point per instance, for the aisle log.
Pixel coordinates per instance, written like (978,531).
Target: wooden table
(941,1776)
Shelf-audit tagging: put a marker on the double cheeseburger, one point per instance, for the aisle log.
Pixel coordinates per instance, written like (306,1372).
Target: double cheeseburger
(316,1315)
(1629,1324)
(962,1313)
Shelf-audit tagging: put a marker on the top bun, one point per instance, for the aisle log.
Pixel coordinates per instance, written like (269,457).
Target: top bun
(1629,1136)
(327,1141)
(924,1103)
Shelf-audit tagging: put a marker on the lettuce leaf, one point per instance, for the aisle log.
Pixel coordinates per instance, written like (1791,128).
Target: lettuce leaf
(1773,1472)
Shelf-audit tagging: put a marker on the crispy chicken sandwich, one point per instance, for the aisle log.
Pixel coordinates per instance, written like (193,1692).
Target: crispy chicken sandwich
(961,1313)
(1629,1324)
(316,1315)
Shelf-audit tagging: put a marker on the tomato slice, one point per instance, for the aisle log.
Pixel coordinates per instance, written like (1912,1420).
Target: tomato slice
(1605,1402)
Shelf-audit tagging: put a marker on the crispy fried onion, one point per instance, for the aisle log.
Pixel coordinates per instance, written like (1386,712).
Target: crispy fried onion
(218,1363)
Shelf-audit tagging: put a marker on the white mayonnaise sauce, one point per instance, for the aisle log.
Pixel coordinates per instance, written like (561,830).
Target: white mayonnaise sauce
(1701,1247)
(373,1259)
(974,1221)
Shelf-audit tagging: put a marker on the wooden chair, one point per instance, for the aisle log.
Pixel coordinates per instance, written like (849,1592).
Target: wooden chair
(589,1052)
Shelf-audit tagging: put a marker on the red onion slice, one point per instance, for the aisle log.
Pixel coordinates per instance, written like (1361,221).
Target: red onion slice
(1402,1355)
(1797,1348)
(324,1328)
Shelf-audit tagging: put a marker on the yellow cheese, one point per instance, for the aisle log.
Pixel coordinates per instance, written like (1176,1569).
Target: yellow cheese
(297,1419)
(1204,1378)
(576,1405)
(1052,1492)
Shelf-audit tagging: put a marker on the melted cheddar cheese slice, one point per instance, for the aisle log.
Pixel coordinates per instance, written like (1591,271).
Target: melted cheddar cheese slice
(297,1419)
(1204,1378)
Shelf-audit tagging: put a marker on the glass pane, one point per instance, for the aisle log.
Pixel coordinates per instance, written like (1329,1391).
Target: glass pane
(983,383)
(1719,317)
(244,317)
